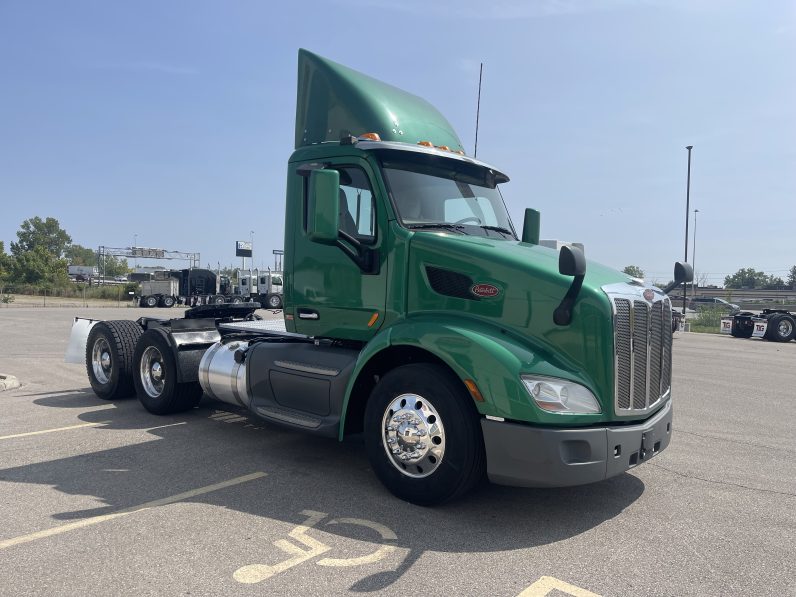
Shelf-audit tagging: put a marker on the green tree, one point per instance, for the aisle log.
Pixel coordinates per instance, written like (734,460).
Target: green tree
(46,234)
(751,278)
(792,277)
(6,263)
(40,267)
(80,255)
(115,266)
(633,271)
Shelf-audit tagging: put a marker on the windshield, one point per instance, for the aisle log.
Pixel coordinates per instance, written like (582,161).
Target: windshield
(441,199)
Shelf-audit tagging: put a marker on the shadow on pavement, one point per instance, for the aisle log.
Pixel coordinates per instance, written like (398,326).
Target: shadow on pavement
(211,444)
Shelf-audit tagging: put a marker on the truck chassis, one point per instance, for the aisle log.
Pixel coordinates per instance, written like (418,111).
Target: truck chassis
(776,325)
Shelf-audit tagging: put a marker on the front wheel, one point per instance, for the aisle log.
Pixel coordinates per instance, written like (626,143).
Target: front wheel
(155,377)
(423,435)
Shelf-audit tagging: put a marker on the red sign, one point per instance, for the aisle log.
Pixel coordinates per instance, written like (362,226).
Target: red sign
(485,290)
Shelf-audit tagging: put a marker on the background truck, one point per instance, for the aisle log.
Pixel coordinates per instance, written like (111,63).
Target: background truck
(264,287)
(166,288)
(82,272)
(777,325)
(197,286)
(415,315)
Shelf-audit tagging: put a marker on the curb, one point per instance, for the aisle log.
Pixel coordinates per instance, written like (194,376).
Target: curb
(8,382)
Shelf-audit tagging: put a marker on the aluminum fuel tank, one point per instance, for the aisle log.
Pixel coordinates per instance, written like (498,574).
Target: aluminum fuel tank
(221,377)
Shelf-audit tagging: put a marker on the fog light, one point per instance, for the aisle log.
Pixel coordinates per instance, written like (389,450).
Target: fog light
(560,396)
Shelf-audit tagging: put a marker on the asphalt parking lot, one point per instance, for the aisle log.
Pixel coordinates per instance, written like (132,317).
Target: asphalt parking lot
(100,498)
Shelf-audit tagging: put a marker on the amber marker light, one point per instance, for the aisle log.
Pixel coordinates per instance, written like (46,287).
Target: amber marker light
(369,137)
(459,151)
(373,319)
(474,392)
(425,143)
(443,147)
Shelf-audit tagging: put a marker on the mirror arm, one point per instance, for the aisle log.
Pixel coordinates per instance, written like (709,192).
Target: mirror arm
(672,286)
(563,313)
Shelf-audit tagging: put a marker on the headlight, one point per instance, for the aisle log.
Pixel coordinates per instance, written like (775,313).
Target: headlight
(560,396)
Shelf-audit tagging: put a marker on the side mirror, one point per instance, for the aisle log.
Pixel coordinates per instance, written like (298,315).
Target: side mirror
(323,206)
(683,272)
(530,227)
(571,261)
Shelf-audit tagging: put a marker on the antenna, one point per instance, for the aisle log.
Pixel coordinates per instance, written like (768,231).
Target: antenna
(478,110)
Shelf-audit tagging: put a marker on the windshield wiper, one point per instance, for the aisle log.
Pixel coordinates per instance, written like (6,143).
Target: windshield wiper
(498,229)
(444,225)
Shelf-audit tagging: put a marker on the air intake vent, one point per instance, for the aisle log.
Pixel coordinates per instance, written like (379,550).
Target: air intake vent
(449,283)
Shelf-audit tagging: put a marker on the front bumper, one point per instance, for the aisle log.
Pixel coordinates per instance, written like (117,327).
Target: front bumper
(526,456)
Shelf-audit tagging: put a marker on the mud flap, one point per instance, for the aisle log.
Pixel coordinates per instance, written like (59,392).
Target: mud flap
(76,349)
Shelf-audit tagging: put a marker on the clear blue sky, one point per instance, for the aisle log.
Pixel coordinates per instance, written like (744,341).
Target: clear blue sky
(174,120)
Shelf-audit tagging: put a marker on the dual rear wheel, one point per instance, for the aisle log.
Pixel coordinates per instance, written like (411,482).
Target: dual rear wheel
(122,360)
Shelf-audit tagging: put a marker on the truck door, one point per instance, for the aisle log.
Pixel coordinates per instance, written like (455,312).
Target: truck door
(330,294)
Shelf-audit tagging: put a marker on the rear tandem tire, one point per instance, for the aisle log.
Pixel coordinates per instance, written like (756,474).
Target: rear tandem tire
(150,302)
(423,435)
(109,358)
(781,328)
(155,377)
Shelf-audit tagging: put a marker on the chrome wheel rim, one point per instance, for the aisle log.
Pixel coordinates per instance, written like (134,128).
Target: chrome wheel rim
(413,436)
(274,301)
(785,328)
(101,362)
(152,373)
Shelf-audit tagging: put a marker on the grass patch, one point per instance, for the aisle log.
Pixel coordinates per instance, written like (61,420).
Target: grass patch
(708,321)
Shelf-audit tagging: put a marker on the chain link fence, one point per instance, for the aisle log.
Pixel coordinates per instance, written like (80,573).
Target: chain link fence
(77,296)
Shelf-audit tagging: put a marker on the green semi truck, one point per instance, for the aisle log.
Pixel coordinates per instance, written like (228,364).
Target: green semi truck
(415,315)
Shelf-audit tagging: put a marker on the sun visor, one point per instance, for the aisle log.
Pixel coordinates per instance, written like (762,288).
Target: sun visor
(334,101)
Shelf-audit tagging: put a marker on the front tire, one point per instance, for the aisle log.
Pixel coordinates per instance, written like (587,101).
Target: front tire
(155,377)
(149,302)
(423,435)
(109,358)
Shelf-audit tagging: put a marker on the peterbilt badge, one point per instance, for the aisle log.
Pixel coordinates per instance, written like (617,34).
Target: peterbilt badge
(649,294)
(485,290)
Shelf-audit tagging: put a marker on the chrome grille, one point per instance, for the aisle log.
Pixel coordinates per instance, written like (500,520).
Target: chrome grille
(643,349)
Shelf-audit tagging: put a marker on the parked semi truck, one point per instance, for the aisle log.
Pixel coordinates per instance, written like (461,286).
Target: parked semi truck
(415,315)
(166,288)
(777,325)
(263,286)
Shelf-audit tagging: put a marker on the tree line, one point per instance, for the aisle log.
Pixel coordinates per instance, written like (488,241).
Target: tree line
(43,251)
(746,277)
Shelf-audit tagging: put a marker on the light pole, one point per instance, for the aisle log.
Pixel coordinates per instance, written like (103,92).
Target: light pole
(693,257)
(251,260)
(135,257)
(687,214)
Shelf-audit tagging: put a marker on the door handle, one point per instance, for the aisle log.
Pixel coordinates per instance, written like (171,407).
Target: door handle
(308,314)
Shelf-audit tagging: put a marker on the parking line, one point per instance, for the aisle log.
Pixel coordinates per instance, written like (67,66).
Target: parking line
(53,430)
(132,510)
